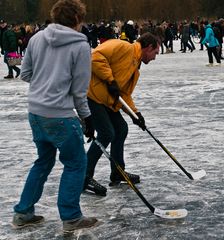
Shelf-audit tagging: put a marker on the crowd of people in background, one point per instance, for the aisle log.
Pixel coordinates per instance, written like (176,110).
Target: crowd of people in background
(167,32)
(15,38)
(97,33)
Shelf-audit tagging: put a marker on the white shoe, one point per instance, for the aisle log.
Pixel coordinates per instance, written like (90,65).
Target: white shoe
(218,64)
(209,65)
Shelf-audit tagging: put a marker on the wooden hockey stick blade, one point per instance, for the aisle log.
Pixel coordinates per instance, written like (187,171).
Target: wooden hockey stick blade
(197,175)
(171,214)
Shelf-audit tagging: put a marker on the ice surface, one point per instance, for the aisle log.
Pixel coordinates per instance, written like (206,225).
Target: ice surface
(183,104)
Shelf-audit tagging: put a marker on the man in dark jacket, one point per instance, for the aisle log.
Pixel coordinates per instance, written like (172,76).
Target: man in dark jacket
(217,28)
(3,28)
(8,45)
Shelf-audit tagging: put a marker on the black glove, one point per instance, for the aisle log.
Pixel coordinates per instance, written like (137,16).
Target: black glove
(140,121)
(89,129)
(113,89)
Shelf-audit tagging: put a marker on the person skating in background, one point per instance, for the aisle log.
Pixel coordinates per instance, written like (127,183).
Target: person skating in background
(217,28)
(115,72)
(168,38)
(185,37)
(8,45)
(105,32)
(25,38)
(130,31)
(3,28)
(201,34)
(57,65)
(160,33)
(211,42)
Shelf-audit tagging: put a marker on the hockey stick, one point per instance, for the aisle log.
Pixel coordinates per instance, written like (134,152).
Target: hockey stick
(167,214)
(192,176)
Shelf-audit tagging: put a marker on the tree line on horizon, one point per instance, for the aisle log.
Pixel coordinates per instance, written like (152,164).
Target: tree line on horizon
(171,10)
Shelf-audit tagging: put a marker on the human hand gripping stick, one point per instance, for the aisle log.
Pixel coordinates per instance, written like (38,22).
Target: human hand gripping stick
(113,89)
(140,121)
(89,129)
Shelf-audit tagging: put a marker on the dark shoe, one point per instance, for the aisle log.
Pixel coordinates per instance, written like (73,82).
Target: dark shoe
(117,178)
(23,220)
(83,222)
(18,73)
(8,76)
(93,186)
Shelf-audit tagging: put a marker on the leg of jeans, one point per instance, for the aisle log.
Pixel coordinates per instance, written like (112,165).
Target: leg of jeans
(73,157)
(117,145)
(39,172)
(105,134)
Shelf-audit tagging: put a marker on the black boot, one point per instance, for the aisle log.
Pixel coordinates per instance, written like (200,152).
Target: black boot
(17,73)
(93,186)
(8,76)
(116,178)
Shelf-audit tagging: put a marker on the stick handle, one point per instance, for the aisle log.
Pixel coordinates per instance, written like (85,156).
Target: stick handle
(160,144)
(121,100)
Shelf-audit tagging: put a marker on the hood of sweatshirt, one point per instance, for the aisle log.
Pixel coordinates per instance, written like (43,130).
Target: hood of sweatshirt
(208,26)
(58,35)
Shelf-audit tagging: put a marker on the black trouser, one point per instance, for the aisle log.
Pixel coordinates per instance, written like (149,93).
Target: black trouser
(111,128)
(169,44)
(213,50)
(220,51)
(185,45)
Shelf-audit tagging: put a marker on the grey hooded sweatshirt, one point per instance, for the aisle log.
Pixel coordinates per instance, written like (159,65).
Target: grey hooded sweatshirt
(57,64)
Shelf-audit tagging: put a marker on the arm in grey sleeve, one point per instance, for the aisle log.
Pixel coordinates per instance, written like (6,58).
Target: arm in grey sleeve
(26,70)
(81,76)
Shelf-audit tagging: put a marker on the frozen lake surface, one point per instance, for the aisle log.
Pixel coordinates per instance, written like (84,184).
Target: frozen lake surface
(182,101)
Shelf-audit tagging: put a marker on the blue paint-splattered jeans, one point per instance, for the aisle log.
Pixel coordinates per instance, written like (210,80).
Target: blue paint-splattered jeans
(50,134)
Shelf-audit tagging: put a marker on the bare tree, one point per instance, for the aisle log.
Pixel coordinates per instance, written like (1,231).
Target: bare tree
(31,10)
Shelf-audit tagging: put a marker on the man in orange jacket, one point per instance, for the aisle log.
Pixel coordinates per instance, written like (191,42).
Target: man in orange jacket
(115,72)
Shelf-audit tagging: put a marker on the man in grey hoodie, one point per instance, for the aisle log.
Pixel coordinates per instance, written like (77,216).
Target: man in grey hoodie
(57,65)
